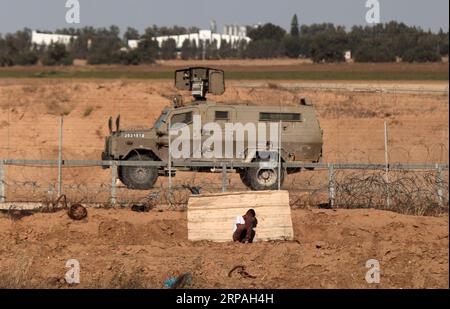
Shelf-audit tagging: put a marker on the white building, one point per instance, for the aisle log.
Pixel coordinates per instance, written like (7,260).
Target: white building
(201,36)
(47,38)
(235,30)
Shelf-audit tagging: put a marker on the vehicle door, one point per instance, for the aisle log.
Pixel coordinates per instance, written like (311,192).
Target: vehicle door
(220,116)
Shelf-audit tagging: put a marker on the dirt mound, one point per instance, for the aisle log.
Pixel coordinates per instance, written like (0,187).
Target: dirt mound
(118,248)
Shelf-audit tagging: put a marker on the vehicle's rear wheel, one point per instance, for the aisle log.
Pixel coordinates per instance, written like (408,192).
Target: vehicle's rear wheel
(264,178)
(138,177)
(244,178)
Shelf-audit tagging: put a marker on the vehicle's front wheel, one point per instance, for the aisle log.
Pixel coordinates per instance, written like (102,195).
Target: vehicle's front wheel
(264,178)
(138,177)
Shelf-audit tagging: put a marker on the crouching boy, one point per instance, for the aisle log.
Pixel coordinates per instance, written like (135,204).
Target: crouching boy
(244,227)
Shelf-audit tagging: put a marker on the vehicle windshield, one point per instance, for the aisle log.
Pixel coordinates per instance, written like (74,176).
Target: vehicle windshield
(161,119)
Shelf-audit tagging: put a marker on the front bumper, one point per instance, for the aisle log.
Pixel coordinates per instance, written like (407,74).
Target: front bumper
(105,157)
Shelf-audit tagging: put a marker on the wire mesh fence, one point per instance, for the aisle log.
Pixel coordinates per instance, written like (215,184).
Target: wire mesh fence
(418,189)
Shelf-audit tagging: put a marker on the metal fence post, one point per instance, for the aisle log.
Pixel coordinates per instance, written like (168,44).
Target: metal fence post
(439,183)
(386,161)
(169,163)
(2,182)
(279,156)
(224,177)
(113,183)
(331,189)
(61,121)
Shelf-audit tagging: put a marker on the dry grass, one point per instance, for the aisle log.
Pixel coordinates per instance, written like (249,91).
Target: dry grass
(124,279)
(17,276)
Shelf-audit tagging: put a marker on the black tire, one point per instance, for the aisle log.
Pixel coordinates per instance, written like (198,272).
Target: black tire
(261,179)
(138,177)
(244,178)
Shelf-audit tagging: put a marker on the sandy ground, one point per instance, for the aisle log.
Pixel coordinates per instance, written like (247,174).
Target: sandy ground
(119,248)
(352,122)
(123,249)
(249,65)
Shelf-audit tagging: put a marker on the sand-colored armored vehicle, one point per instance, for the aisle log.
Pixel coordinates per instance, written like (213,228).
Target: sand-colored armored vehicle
(217,133)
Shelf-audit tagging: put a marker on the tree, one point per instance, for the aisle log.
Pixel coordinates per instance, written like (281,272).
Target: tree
(150,32)
(194,50)
(226,50)
(321,42)
(105,45)
(427,49)
(18,50)
(56,54)
(129,57)
(186,50)
(266,42)
(169,49)
(148,49)
(264,49)
(4,61)
(242,49)
(211,51)
(419,54)
(374,51)
(329,46)
(175,30)
(443,42)
(309,34)
(294,27)
(130,34)
(268,31)
(292,46)
(79,48)
(200,51)
(193,30)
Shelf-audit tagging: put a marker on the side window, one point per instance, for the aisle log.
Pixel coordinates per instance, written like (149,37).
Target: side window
(280,117)
(221,115)
(185,118)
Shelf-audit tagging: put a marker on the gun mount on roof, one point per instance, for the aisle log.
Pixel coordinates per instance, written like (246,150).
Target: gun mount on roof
(200,81)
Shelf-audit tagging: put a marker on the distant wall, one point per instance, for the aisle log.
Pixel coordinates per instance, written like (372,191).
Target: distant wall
(203,35)
(47,39)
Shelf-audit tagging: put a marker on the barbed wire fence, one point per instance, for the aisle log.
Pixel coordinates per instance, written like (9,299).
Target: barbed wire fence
(417,189)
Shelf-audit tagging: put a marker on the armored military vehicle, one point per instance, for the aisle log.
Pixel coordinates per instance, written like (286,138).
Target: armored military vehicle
(232,133)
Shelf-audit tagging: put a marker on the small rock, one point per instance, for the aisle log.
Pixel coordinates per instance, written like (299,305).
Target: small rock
(320,244)
(77,212)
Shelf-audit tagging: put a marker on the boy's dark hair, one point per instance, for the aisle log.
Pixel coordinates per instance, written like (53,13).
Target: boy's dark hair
(251,212)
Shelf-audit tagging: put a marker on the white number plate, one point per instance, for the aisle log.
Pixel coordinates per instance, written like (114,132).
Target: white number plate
(134,135)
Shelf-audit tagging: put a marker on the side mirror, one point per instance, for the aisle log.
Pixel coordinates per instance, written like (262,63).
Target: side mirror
(160,133)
